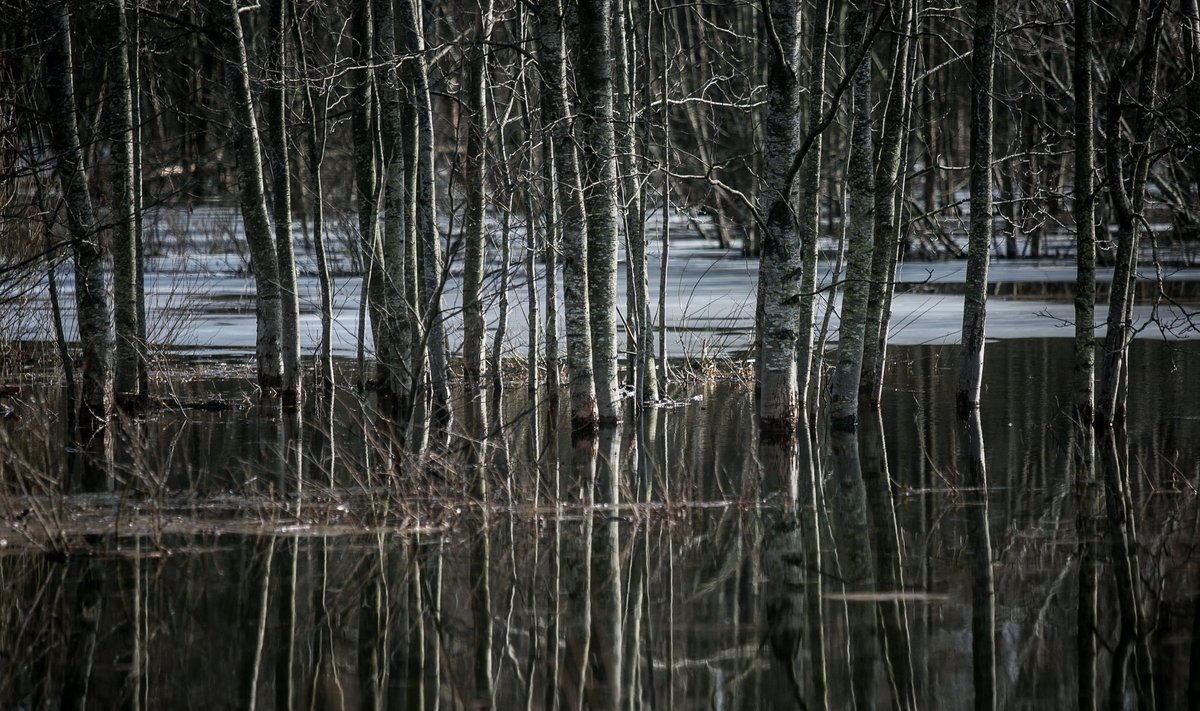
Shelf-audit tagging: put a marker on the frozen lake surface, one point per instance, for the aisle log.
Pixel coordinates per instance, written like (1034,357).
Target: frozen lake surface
(200,295)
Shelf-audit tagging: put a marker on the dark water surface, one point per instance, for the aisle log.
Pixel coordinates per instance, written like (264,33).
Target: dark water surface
(229,557)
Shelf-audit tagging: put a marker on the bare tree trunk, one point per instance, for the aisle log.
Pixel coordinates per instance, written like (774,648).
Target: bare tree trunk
(395,348)
(860,187)
(431,252)
(276,118)
(1127,191)
(983,62)
(600,168)
(253,202)
(125,294)
(888,193)
(556,26)
(363,128)
(474,228)
(640,361)
(135,64)
(91,299)
(810,206)
(316,154)
(779,256)
(1085,215)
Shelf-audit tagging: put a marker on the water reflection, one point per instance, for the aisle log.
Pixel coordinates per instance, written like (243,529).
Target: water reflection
(973,470)
(670,563)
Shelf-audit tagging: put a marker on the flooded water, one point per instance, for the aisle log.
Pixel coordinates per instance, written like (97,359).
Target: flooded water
(227,556)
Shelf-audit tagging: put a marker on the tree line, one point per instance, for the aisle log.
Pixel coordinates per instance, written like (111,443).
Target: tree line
(548,135)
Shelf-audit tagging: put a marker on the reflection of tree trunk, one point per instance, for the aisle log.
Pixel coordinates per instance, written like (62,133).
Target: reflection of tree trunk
(254,618)
(847,498)
(606,648)
(639,574)
(286,620)
(983,586)
(787,572)
(481,614)
(406,671)
(1087,488)
(1134,635)
(897,652)
(80,652)
(576,577)
(372,626)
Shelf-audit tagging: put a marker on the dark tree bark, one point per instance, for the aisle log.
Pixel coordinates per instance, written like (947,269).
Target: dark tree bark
(779,256)
(1085,213)
(983,62)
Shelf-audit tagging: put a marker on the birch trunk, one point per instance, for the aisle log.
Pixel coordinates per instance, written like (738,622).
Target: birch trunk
(276,117)
(779,254)
(970,357)
(395,347)
(860,187)
(600,169)
(253,203)
(810,206)
(1085,214)
(475,237)
(91,299)
(431,252)
(556,26)
(125,294)
(888,186)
